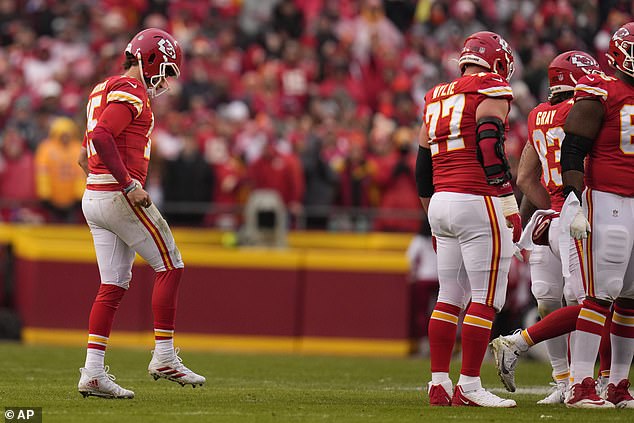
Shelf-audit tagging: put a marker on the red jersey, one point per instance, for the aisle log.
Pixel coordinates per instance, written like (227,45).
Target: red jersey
(449,114)
(546,133)
(610,164)
(133,143)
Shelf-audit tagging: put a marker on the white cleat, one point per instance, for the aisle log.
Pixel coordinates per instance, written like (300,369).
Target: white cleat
(557,396)
(100,383)
(479,398)
(173,369)
(506,354)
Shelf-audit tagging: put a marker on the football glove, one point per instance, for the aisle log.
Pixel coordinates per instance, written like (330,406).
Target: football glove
(579,227)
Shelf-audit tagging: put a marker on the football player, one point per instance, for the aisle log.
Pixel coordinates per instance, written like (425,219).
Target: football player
(539,178)
(600,125)
(463,180)
(122,219)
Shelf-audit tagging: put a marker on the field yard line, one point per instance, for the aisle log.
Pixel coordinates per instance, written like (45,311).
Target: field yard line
(527,390)
(530,390)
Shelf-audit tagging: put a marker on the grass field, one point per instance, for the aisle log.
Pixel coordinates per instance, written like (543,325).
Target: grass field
(264,388)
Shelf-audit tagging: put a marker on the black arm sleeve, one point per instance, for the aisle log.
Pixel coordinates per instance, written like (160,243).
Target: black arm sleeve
(573,151)
(424,178)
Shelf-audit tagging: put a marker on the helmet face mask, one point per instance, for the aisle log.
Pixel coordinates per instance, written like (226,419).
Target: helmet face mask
(489,50)
(566,69)
(158,56)
(621,50)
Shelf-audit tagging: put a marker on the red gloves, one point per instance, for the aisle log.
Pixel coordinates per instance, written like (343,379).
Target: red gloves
(515,221)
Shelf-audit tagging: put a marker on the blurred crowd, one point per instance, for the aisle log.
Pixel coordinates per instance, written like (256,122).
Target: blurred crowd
(317,99)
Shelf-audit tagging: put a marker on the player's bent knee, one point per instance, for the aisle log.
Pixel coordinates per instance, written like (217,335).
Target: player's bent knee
(572,296)
(545,291)
(614,287)
(161,264)
(121,284)
(119,277)
(545,307)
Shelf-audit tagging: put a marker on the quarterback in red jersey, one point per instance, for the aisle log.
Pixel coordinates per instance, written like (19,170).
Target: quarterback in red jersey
(122,219)
(600,125)
(463,182)
(539,178)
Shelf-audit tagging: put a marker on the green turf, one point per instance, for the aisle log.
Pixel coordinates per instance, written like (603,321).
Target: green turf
(261,388)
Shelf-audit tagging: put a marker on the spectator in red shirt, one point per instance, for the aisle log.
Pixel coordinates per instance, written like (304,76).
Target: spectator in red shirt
(277,171)
(17,177)
(399,210)
(229,184)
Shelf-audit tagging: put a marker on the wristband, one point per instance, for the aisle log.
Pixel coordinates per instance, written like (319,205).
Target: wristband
(130,188)
(509,205)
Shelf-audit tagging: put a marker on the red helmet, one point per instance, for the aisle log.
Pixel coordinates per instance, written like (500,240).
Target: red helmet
(621,51)
(489,50)
(566,69)
(158,55)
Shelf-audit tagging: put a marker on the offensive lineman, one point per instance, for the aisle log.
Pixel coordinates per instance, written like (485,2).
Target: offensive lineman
(539,178)
(469,201)
(122,219)
(600,125)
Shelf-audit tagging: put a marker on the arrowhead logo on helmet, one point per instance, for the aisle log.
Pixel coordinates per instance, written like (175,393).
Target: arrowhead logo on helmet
(566,69)
(620,33)
(167,48)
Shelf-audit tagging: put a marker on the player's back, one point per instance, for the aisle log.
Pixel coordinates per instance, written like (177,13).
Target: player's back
(610,167)
(133,143)
(546,133)
(450,116)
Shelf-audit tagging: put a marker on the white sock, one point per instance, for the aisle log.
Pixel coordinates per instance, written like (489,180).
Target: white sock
(622,352)
(558,354)
(94,358)
(519,341)
(439,377)
(164,347)
(469,383)
(584,355)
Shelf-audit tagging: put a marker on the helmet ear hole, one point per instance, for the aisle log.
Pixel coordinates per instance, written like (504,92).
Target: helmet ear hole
(150,59)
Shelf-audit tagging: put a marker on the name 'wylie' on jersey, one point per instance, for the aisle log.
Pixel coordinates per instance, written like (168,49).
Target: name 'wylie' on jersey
(449,114)
(611,168)
(546,133)
(133,143)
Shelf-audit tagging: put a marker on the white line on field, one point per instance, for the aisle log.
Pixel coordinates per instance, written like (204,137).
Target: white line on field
(527,390)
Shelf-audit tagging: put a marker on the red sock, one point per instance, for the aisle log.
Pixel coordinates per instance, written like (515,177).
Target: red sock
(102,314)
(442,335)
(605,350)
(557,323)
(164,298)
(622,322)
(476,330)
(592,317)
